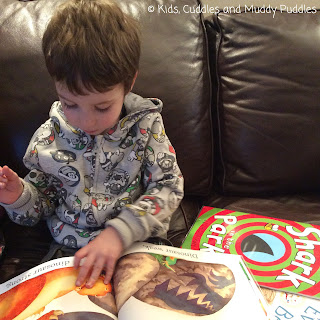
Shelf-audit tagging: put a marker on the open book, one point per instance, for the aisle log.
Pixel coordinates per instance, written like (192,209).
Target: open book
(150,282)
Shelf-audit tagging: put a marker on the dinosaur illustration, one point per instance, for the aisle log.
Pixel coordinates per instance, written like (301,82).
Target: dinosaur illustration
(30,297)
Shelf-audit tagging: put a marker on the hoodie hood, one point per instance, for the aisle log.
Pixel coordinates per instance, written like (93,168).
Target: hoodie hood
(136,108)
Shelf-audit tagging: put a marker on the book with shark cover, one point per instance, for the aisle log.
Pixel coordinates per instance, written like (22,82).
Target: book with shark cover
(150,282)
(281,254)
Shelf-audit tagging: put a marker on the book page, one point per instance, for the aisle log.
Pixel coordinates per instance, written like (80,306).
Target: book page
(174,283)
(49,290)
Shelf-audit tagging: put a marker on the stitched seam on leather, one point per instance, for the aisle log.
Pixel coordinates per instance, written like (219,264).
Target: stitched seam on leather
(207,64)
(218,105)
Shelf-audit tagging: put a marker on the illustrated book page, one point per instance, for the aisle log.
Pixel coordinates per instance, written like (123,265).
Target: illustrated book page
(175,283)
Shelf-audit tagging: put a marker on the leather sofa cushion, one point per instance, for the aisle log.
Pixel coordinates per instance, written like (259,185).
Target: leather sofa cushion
(268,99)
(173,68)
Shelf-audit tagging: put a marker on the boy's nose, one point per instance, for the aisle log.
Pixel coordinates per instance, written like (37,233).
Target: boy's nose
(88,122)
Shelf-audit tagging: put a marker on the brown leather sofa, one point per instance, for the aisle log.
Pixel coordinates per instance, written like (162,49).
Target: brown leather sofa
(241,97)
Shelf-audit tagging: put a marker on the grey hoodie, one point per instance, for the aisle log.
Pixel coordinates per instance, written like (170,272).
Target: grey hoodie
(127,178)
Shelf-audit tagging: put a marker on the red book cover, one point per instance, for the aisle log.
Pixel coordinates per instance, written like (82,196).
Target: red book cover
(281,254)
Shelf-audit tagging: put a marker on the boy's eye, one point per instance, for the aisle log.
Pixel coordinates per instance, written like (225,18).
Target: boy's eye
(102,110)
(70,106)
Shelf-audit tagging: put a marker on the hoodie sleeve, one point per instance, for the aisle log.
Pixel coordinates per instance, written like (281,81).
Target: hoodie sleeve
(151,213)
(39,192)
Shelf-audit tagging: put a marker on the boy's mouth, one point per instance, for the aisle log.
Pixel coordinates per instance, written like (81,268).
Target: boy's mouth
(92,132)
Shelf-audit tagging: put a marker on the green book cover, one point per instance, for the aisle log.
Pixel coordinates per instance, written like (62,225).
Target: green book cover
(281,254)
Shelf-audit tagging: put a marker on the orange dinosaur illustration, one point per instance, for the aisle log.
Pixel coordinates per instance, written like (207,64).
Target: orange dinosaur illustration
(31,297)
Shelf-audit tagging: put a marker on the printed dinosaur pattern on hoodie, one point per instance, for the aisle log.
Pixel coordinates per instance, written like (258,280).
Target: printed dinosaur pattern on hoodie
(127,178)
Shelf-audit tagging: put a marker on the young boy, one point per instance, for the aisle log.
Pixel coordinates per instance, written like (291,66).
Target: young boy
(102,171)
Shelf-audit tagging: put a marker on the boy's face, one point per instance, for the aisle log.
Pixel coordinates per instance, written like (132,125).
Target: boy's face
(94,112)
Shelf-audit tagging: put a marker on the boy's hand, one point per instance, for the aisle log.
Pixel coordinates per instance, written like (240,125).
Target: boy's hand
(11,187)
(102,253)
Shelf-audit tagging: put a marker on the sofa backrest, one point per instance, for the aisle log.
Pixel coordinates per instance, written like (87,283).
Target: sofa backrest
(174,67)
(265,70)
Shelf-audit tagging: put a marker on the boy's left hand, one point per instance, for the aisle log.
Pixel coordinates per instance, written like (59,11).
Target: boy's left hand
(102,253)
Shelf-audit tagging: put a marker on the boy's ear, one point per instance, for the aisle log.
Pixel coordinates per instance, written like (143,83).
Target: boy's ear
(134,80)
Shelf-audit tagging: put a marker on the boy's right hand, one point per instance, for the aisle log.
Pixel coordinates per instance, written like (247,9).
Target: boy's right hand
(11,187)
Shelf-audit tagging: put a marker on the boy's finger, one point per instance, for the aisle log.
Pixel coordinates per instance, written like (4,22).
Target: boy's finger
(2,185)
(109,271)
(10,174)
(2,173)
(83,271)
(80,254)
(3,178)
(96,271)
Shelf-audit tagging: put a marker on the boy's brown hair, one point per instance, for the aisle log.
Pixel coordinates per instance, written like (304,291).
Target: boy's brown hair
(91,44)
